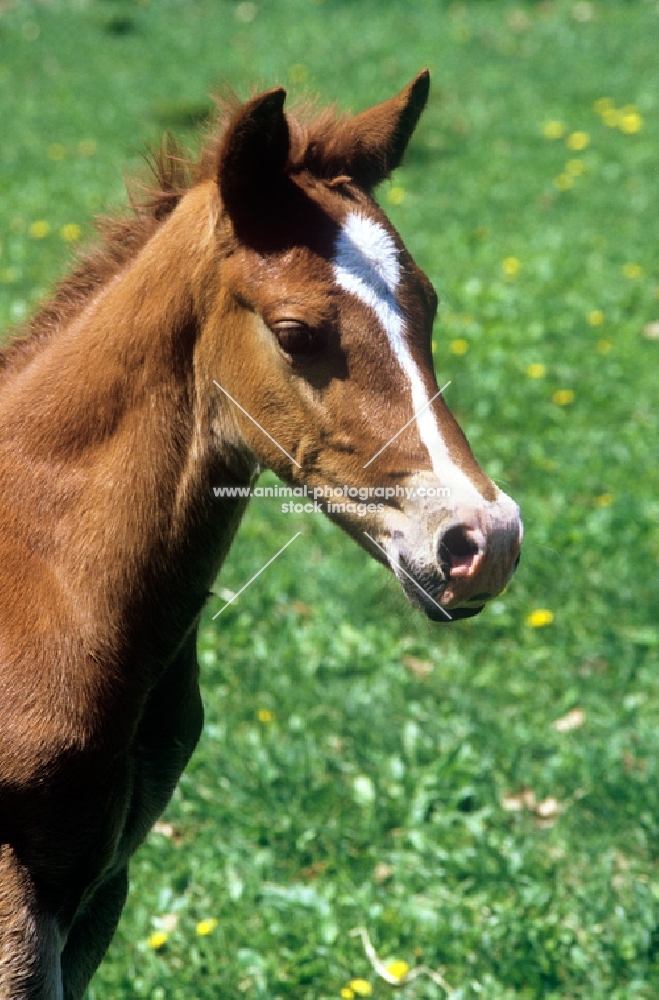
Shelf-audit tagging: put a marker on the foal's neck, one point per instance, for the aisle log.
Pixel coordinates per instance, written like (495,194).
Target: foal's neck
(117,437)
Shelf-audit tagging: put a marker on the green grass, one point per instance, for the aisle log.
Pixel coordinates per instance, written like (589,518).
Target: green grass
(374,796)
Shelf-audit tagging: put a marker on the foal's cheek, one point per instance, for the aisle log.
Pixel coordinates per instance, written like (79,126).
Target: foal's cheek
(253,393)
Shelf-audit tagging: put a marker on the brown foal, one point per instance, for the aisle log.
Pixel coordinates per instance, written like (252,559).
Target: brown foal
(266,270)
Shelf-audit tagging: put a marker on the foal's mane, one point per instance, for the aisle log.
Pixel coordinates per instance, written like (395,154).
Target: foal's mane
(170,174)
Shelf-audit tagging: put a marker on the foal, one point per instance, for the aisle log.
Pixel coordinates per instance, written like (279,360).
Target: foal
(269,292)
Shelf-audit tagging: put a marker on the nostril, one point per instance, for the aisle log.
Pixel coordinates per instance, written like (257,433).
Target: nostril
(517,561)
(457,551)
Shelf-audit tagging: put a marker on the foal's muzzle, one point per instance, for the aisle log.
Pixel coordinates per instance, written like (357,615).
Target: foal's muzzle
(473,562)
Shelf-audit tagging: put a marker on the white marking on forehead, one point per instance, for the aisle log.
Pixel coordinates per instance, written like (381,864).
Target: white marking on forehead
(368,254)
(366,264)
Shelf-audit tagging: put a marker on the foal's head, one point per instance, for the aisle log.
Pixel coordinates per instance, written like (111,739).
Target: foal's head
(322,333)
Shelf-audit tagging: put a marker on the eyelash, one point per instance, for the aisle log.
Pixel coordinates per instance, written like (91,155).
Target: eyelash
(296,338)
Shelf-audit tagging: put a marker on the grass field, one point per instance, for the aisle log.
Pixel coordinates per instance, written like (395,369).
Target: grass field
(483,798)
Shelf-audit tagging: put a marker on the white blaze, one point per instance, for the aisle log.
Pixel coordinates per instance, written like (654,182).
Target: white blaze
(366,264)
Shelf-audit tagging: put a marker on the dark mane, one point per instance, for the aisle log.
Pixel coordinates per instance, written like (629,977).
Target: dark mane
(170,175)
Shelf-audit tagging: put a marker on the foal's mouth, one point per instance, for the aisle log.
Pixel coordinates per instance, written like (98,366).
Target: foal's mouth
(424,590)
(429,603)
(456,614)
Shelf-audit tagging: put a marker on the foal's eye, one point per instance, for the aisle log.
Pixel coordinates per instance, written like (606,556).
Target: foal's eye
(295,337)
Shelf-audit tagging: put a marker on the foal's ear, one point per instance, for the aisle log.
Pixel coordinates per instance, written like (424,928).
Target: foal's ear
(254,151)
(373,143)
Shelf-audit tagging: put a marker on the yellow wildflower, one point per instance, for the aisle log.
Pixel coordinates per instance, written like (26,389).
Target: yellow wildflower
(398,968)
(553,130)
(361,987)
(205,927)
(604,500)
(396,195)
(632,271)
(574,168)
(603,104)
(265,715)
(563,397)
(536,370)
(563,182)
(604,346)
(39,229)
(630,119)
(595,317)
(347,993)
(156,940)
(611,117)
(510,266)
(56,151)
(459,346)
(578,141)
(631,122)
(540,617)
(70,232)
